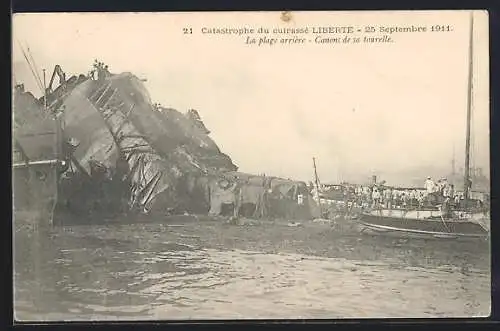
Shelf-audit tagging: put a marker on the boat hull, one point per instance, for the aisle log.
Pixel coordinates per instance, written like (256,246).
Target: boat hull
(36,164)
(34,193)
(421,228)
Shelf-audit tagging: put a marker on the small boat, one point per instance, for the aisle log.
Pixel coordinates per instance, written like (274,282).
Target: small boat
(464,222)
(425,224)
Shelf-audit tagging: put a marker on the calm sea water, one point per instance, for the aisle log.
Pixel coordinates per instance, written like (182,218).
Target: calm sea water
(210,270)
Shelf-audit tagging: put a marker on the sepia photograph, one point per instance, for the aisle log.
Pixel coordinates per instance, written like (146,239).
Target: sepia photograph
(250,165)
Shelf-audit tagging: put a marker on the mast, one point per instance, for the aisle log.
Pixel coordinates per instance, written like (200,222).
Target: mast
(316,179)
(469,103)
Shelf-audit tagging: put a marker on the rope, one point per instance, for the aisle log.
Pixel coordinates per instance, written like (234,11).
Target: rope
(36,68)
(444,223)
(482,225)
(32,70)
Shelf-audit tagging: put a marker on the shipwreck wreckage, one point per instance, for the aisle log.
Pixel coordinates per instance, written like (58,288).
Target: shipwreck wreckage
(96,147)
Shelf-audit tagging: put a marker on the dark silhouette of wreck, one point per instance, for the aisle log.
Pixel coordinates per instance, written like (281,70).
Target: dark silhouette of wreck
(121,154)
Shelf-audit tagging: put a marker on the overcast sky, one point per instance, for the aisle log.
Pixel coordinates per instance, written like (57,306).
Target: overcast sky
(359,109)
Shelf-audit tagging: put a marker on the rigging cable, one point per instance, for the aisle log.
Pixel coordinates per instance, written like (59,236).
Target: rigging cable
(36,68)
(31,68)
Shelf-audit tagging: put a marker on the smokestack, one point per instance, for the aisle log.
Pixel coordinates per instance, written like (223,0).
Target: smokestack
(374,179)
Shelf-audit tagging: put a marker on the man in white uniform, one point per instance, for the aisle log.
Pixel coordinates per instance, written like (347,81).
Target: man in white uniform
(430,189)
(429,185)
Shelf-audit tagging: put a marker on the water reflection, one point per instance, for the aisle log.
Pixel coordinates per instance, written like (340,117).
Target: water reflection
(269,271)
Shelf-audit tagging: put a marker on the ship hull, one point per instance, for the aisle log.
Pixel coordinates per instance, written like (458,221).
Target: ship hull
(36,164)
(426,228)
(34,193)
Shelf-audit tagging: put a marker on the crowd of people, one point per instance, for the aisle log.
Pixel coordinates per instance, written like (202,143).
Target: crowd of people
(432,194)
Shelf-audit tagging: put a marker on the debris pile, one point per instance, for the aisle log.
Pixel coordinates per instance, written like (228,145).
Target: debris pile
(149,148)
(126,153)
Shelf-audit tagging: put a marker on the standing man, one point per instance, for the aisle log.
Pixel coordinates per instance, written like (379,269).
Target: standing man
(430,188)
(429,185)
(412,198)
(388,198)
(376,197)
(451,191)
